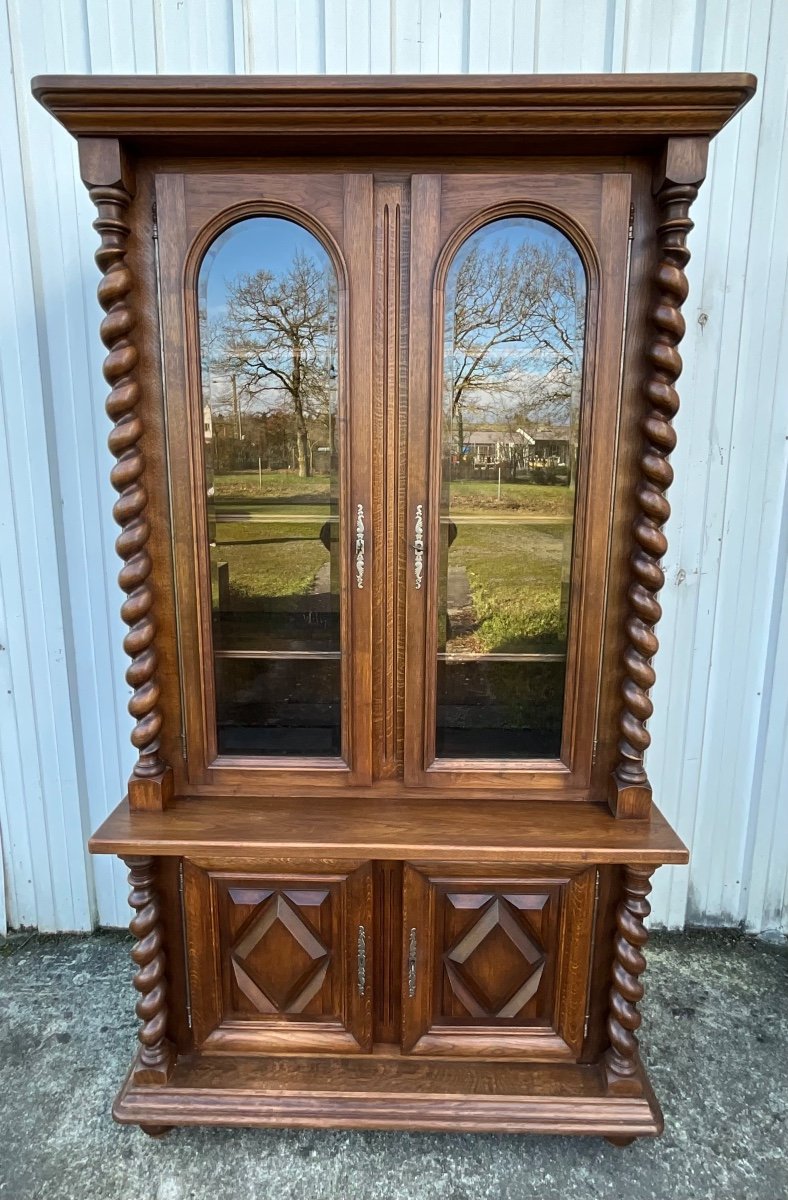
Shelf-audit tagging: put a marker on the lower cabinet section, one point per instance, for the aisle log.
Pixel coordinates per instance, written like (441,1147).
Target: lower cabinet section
(284,957)
(497,963)
(278,956)
(387,994)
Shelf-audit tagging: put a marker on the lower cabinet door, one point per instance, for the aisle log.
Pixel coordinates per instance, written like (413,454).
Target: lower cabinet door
(497,961)
(279,955)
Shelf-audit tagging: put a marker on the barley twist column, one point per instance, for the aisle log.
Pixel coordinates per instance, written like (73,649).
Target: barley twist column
(110,186)
(629,963)
(676,186)
(157,1054)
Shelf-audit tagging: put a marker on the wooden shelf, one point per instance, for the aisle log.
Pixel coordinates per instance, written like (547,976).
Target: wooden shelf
(518,831)
(281,655)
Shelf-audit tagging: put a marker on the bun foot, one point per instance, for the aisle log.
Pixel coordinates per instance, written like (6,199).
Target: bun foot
(615,1140)
(156,1131)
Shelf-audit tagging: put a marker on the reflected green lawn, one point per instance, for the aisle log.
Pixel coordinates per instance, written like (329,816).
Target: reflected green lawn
(514,570)
(467,495)
(515,574)
(286,486)
(271,558)
(471,495)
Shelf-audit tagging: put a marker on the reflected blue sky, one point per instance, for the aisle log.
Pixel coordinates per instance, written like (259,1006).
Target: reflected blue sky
(251,245)
(499,243)
(514,232)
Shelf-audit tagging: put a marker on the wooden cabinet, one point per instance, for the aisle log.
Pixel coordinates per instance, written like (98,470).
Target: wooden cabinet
(392,368)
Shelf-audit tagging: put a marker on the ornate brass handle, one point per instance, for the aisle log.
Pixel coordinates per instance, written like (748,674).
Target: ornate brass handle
(360,553)
(362,960)
(418,547)
(412,964)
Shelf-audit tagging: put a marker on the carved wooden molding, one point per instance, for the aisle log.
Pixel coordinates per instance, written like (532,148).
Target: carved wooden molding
(110,185)
(157,1055)
(629,963)
(622,107)
(676,184)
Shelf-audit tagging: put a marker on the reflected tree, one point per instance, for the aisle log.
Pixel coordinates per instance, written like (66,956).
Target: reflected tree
(277,339)
(515,322)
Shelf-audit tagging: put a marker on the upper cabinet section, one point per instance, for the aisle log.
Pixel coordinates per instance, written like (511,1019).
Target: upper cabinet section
(269,358)
(394,515)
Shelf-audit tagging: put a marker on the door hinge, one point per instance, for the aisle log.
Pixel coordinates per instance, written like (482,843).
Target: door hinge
(188,993)
(631,233)
(154,222)
(593,928)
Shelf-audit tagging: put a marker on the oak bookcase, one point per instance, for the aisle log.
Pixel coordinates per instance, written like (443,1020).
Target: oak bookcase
(392,367)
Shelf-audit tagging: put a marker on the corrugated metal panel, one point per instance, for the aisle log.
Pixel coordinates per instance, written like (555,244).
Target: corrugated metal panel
(43,794)
(718,760)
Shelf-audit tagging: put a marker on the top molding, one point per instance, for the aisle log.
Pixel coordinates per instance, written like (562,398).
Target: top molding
(625,111)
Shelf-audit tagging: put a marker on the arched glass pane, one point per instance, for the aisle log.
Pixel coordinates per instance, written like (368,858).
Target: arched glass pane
(268,340)
(512,370)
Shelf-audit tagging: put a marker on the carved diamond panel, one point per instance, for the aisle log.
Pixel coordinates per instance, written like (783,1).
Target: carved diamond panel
(299,972)
(495,966)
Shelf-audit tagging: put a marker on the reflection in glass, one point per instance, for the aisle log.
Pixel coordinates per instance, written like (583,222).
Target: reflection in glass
(268,336)
(512,371)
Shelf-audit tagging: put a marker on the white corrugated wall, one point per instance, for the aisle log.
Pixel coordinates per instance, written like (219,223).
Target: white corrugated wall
(718,762)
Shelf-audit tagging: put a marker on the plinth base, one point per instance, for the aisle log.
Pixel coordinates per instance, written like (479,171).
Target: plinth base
(389,1091)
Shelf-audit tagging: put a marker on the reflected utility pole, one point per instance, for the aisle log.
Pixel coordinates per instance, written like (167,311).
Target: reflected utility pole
(236,408)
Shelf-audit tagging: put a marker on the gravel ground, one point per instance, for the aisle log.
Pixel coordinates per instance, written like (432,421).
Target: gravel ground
(715,1039)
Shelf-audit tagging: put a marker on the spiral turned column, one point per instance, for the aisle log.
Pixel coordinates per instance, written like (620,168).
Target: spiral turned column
(629,963)
(157,1055)
(676,187)
(102,160)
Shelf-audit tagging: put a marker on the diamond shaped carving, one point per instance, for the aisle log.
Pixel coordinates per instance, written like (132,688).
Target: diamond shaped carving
(303,984)
(497,916)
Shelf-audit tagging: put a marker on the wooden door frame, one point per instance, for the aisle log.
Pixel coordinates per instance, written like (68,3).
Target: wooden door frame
(181,250)
(605,257)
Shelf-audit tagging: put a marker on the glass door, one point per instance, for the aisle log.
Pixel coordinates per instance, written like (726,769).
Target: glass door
(268,301)
(273,599)
(513,334)
(517,306)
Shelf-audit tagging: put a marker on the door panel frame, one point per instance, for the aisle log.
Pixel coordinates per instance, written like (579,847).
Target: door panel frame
(344,227)
(575,890)
(208,977)
(595,214)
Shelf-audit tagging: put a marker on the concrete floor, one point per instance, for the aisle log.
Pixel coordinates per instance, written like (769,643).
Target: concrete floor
(715,1040)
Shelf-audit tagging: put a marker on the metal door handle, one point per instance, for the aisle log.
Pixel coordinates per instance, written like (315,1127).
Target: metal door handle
(412,964)
(362,960)
(418,547)
(360,549)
